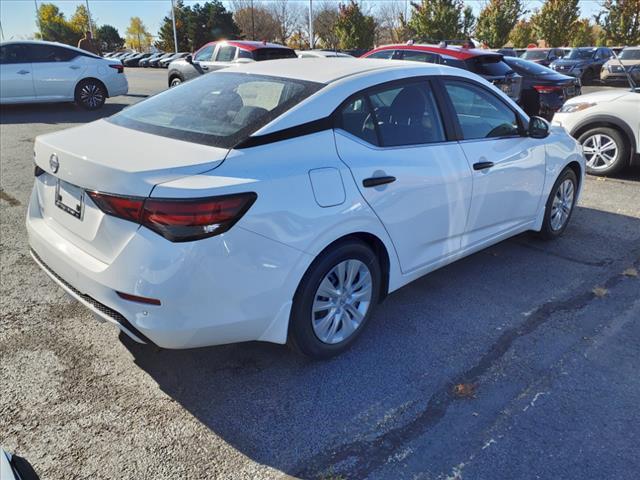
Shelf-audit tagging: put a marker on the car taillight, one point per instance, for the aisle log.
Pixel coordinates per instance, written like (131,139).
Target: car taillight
(547,88)
(119,68)
(178,220)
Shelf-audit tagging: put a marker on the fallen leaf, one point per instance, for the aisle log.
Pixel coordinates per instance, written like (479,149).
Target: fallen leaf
(630,272)
(600,292)
(465,390)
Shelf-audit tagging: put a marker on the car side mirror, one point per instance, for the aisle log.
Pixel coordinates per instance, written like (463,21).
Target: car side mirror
(189,58)
(538,127)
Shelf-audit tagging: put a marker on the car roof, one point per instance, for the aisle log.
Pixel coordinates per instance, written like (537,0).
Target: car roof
(44,42)
(460,53)
(248,45)
(322,71)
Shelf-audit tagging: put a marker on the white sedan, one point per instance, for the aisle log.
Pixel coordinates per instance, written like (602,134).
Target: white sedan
(36,72)
(281,201)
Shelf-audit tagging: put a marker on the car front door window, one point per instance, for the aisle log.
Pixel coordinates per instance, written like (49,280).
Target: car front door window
(205,54)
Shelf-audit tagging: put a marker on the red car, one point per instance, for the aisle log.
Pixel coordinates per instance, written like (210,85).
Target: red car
(485,63)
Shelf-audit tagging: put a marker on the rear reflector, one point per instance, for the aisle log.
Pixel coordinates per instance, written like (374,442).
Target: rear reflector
(547,88)
(119,68)
(178,220)
(136,298)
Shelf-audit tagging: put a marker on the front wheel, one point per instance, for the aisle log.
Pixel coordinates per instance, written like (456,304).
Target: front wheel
(91,94)
(334,300)
(559,206)
(175,81)
(605,150)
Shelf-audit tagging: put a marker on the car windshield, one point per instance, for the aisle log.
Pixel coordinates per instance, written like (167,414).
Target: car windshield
(630,54)
(526,67)
(219,109)
(535,54)
(581,53)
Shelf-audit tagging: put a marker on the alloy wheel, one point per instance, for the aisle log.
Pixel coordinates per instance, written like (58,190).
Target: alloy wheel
(600,151)
(562,204)
(175,82)
(341,301)
(91,95)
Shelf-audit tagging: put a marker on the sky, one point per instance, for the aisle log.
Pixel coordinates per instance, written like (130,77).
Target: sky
(17,17)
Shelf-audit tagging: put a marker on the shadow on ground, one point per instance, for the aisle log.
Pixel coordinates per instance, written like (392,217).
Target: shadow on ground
(291,413)
(55,113)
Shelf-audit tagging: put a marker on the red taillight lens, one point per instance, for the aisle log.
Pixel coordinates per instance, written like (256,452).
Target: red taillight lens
(179,220)
(138,299)
(119,68)
(546,88)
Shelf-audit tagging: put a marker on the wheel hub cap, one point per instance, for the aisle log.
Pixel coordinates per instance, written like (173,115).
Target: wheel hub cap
(341,301)
(91,95)
(562,204)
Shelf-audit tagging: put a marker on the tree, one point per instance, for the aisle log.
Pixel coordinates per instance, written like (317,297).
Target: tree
(582,34)
(287,17)
(324,21)
(468,22)
(435,20)
(555,21)
(137,36)
(392,23)
(620,21)
(79,21)
(165,40)
(53,26)
(256,23)
(497,19)
(353,28)
(109,39)
(522,34)
(208,22)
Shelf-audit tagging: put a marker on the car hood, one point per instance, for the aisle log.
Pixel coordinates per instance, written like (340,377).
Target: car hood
(600,97)
(626,63)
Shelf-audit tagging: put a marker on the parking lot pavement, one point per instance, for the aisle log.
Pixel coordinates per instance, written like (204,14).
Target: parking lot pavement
(520,362)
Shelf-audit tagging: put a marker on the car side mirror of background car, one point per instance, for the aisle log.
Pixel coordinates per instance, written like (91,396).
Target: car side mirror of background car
(189,58)
(538,127)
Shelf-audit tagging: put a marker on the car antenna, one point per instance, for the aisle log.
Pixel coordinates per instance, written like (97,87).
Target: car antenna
(632,84)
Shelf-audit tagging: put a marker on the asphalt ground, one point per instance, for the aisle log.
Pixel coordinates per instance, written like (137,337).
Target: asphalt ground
(518,362)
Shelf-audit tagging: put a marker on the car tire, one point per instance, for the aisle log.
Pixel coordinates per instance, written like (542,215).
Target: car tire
(604,162)
(559,206)
(91,94)
(175,81)
(319,332)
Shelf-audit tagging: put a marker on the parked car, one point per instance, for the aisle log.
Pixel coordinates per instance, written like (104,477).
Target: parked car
(543,56)
(543,90)
(507,52)
(321,54)
(519,51)
(155,63)
(36,72)
(14,467)
(126,56)
(614,70)
(487,64)
(216,55)
(134,61)
(144,63)
(281,201)
(164,63)
(606,123)
(584,63)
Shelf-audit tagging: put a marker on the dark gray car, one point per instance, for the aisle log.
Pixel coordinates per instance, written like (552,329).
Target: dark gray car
(217,55)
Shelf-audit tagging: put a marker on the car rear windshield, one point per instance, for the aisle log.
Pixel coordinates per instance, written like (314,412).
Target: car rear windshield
(490,65)
(273,54)
(527,67)
(219,109)
(535,54)
(630,54)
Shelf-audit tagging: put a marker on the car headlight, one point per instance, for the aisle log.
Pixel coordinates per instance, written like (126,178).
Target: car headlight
(575,107)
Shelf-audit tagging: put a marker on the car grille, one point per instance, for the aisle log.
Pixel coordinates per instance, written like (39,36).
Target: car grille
(109,312)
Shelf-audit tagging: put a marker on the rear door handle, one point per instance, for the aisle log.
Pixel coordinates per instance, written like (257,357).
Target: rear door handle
(482,165)
(23,72)
(74,67)
(377,181)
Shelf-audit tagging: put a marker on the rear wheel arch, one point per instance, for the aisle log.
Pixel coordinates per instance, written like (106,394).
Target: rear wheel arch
(175,75)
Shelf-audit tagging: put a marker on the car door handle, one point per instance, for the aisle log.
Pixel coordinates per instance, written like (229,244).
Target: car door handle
(23,72)
(204,67)
(74,67)
(482,165)
(377,181)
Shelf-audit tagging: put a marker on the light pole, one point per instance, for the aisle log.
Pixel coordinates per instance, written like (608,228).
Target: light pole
(175,33)
(89,15)
(35,2)
(311,42)
(253,23)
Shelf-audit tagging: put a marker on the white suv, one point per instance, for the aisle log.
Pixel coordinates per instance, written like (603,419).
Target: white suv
(607,124)
(38,72)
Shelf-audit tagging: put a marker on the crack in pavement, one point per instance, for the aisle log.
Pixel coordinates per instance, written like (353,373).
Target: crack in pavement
(600,263)
(361,457)
(10,199)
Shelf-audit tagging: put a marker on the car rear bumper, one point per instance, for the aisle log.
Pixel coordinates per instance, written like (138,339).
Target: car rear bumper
(230,288)
(118,85)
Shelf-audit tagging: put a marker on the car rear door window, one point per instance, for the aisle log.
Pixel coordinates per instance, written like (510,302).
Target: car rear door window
(13,53)
(480,113)
(41,53)
(226,54)
(384,54)
(418,56)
